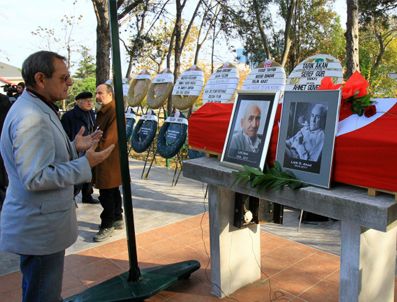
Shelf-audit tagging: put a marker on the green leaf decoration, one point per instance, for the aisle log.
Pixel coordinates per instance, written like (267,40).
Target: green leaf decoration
(273,178)
(359,104)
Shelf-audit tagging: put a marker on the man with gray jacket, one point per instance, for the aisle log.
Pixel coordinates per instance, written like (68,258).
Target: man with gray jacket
(38,220)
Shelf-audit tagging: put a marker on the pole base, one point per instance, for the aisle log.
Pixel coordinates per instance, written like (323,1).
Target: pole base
(152,281)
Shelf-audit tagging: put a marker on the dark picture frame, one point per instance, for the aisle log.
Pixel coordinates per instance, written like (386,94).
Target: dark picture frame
(309,121)
(247,142)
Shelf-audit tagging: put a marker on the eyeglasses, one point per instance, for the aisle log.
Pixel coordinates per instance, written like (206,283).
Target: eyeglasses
(66,78)
(63,78)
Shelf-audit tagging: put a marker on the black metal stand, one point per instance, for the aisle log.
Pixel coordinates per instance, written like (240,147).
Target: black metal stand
(134,285)
(152,281)
(152,149)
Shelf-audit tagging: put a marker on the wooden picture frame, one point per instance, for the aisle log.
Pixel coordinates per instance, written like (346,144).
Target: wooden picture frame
(250,128)
(309,121)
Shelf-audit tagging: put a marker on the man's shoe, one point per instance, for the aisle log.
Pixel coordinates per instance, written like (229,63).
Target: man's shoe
(118,224)
(91,200)
(103,234)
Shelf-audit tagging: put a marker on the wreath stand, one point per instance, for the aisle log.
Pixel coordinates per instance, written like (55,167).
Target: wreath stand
(152,148)
(134,285)
(182,155)
(139,108)
(179,157)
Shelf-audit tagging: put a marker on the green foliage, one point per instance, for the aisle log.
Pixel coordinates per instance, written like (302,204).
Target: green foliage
(358,105)
(375,9)
(378,56)
(150,51)
(246,25)
(86,67)
(271,179)
(333,43)
(381,85)
(316,29)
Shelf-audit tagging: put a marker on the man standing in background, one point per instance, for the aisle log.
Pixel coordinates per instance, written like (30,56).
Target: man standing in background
(107,175)
(20,89)
(81,115)
(5,105)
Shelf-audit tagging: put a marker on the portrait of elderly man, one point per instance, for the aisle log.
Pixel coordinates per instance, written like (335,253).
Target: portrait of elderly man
(247,139)
(308,142)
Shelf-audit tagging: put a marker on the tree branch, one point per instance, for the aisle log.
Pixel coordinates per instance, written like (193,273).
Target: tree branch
(128,8)
(190,24)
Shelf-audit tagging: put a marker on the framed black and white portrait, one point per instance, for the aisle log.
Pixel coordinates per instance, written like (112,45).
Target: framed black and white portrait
(308,125)
(250,127)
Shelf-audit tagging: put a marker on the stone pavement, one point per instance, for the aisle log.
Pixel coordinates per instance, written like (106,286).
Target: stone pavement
(324,235)
(170,227)
(156,203)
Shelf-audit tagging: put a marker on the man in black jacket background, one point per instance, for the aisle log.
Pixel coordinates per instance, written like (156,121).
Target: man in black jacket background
(81,115)
(5,105)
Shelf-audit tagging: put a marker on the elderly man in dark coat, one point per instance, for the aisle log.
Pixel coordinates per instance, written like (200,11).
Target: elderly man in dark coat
(81,115)
(107,175)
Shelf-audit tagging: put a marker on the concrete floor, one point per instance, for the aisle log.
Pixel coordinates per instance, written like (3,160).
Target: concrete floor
(324,236)
(171,224)
(156,203)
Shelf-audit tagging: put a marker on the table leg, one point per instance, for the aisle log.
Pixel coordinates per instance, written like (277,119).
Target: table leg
(235,253)
(368,260)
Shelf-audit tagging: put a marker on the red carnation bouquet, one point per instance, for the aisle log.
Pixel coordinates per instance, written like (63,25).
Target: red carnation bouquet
(355,97)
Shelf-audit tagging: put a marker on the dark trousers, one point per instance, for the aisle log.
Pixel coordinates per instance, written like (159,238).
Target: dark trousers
(42,277)
(86,191)
(111,202)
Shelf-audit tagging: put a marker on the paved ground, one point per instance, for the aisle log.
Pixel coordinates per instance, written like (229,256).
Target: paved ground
(324,236)
(169,224)
(156,203)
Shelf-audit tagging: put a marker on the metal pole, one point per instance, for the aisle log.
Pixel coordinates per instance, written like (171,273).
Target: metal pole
(134,272)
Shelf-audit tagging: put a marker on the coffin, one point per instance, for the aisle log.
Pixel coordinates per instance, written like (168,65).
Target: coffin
(365,148)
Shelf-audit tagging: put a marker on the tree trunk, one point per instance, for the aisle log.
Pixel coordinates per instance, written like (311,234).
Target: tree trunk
(212,25)
(103,41)
(140,26)
(168,63)
(129,68)
(352,55)
(214,36)
(261,30)
(287,38)
(178,38)
(384,40)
